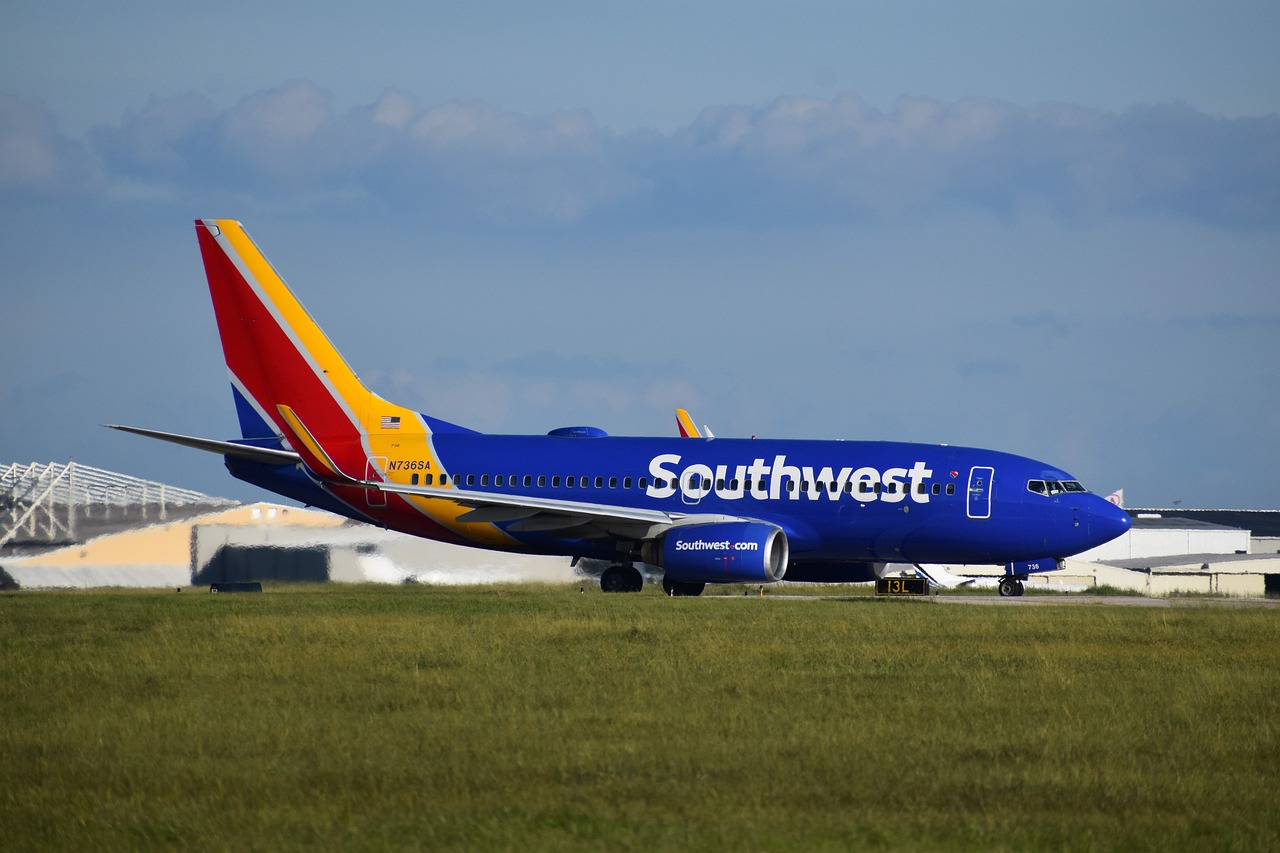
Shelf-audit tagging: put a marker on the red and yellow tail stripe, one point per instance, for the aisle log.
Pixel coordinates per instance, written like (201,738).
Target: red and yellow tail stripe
(290,372)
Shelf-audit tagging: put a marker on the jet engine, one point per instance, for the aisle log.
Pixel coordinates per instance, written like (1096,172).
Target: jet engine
(720,552)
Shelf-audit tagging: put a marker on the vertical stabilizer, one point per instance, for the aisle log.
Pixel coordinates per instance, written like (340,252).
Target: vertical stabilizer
(280,360)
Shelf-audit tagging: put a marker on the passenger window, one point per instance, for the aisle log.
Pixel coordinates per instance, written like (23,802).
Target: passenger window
(937,488)
(582,482)
(613,482)
(471,479)
(457,479)
(555,482)
(484,479)
(542,481)
(568,482)
(413,479)
(626,482)
(600,482)
(951,488)
(528,480)
(644,482)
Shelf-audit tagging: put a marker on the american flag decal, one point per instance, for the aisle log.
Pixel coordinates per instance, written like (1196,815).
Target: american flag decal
(391,422)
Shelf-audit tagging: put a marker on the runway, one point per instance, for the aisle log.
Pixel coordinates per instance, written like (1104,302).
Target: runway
(1104,601)
(1039,600)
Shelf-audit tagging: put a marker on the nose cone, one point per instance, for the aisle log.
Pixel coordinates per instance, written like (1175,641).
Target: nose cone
(1106,521)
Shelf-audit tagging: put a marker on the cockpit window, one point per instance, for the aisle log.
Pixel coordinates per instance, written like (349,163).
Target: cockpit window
(1054,487)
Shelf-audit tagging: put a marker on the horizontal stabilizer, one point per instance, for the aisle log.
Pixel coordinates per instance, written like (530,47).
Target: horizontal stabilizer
(265,455)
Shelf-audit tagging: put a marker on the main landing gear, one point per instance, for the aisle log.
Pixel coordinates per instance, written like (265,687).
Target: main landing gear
(671,587)
(621,579)
(1011,586)
(624,578)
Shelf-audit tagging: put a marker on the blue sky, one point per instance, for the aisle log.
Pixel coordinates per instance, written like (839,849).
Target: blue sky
(1046,228)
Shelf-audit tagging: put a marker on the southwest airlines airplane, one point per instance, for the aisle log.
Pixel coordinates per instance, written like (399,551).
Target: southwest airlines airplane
(700,509)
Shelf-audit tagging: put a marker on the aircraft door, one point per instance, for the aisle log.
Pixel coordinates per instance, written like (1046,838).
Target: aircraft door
(694,484)
(980,492)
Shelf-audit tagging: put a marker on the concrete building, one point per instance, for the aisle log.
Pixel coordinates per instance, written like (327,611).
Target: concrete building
(1175,552)
(268,542)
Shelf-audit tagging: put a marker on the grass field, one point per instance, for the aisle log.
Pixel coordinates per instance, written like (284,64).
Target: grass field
(540,718)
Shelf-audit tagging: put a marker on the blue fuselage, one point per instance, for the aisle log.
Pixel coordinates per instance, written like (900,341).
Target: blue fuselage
(837,501)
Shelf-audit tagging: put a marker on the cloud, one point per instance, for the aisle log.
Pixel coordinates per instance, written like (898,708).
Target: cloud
(35,159)
(794,159)
(842,159)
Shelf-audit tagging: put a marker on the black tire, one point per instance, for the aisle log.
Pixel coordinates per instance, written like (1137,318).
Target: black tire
(1008,588)
(621,579)
(673,587)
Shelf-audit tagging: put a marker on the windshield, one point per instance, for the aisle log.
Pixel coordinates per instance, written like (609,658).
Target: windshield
(1054,487)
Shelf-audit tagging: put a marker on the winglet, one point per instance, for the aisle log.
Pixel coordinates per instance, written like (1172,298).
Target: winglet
(686,426)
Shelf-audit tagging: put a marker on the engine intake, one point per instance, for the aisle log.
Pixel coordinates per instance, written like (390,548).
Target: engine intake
(721,552)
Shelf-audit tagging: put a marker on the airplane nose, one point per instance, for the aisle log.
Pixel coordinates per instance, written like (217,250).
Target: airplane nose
(1107,521)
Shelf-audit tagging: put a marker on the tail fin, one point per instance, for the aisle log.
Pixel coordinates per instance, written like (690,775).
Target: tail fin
(291,385)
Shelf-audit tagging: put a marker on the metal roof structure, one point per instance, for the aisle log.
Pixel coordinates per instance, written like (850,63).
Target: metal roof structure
(55,504)
(1261,522)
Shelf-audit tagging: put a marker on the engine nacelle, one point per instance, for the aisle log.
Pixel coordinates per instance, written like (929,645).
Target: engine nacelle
(721,552)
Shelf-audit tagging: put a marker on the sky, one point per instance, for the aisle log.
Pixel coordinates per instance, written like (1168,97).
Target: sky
(1046,228)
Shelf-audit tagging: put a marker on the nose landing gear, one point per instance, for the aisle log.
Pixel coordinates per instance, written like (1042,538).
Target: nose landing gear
(1011,586)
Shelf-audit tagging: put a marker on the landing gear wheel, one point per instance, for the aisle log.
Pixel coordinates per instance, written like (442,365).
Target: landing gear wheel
(1010,588)
(673,587)
(621,579)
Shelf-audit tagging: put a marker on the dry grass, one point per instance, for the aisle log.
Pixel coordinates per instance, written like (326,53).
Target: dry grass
(535,717)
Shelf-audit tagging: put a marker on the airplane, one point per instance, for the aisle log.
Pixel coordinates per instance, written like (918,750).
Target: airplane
(700,510)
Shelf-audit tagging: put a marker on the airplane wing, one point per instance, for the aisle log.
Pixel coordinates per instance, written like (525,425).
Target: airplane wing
(528,514)
(525,513)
